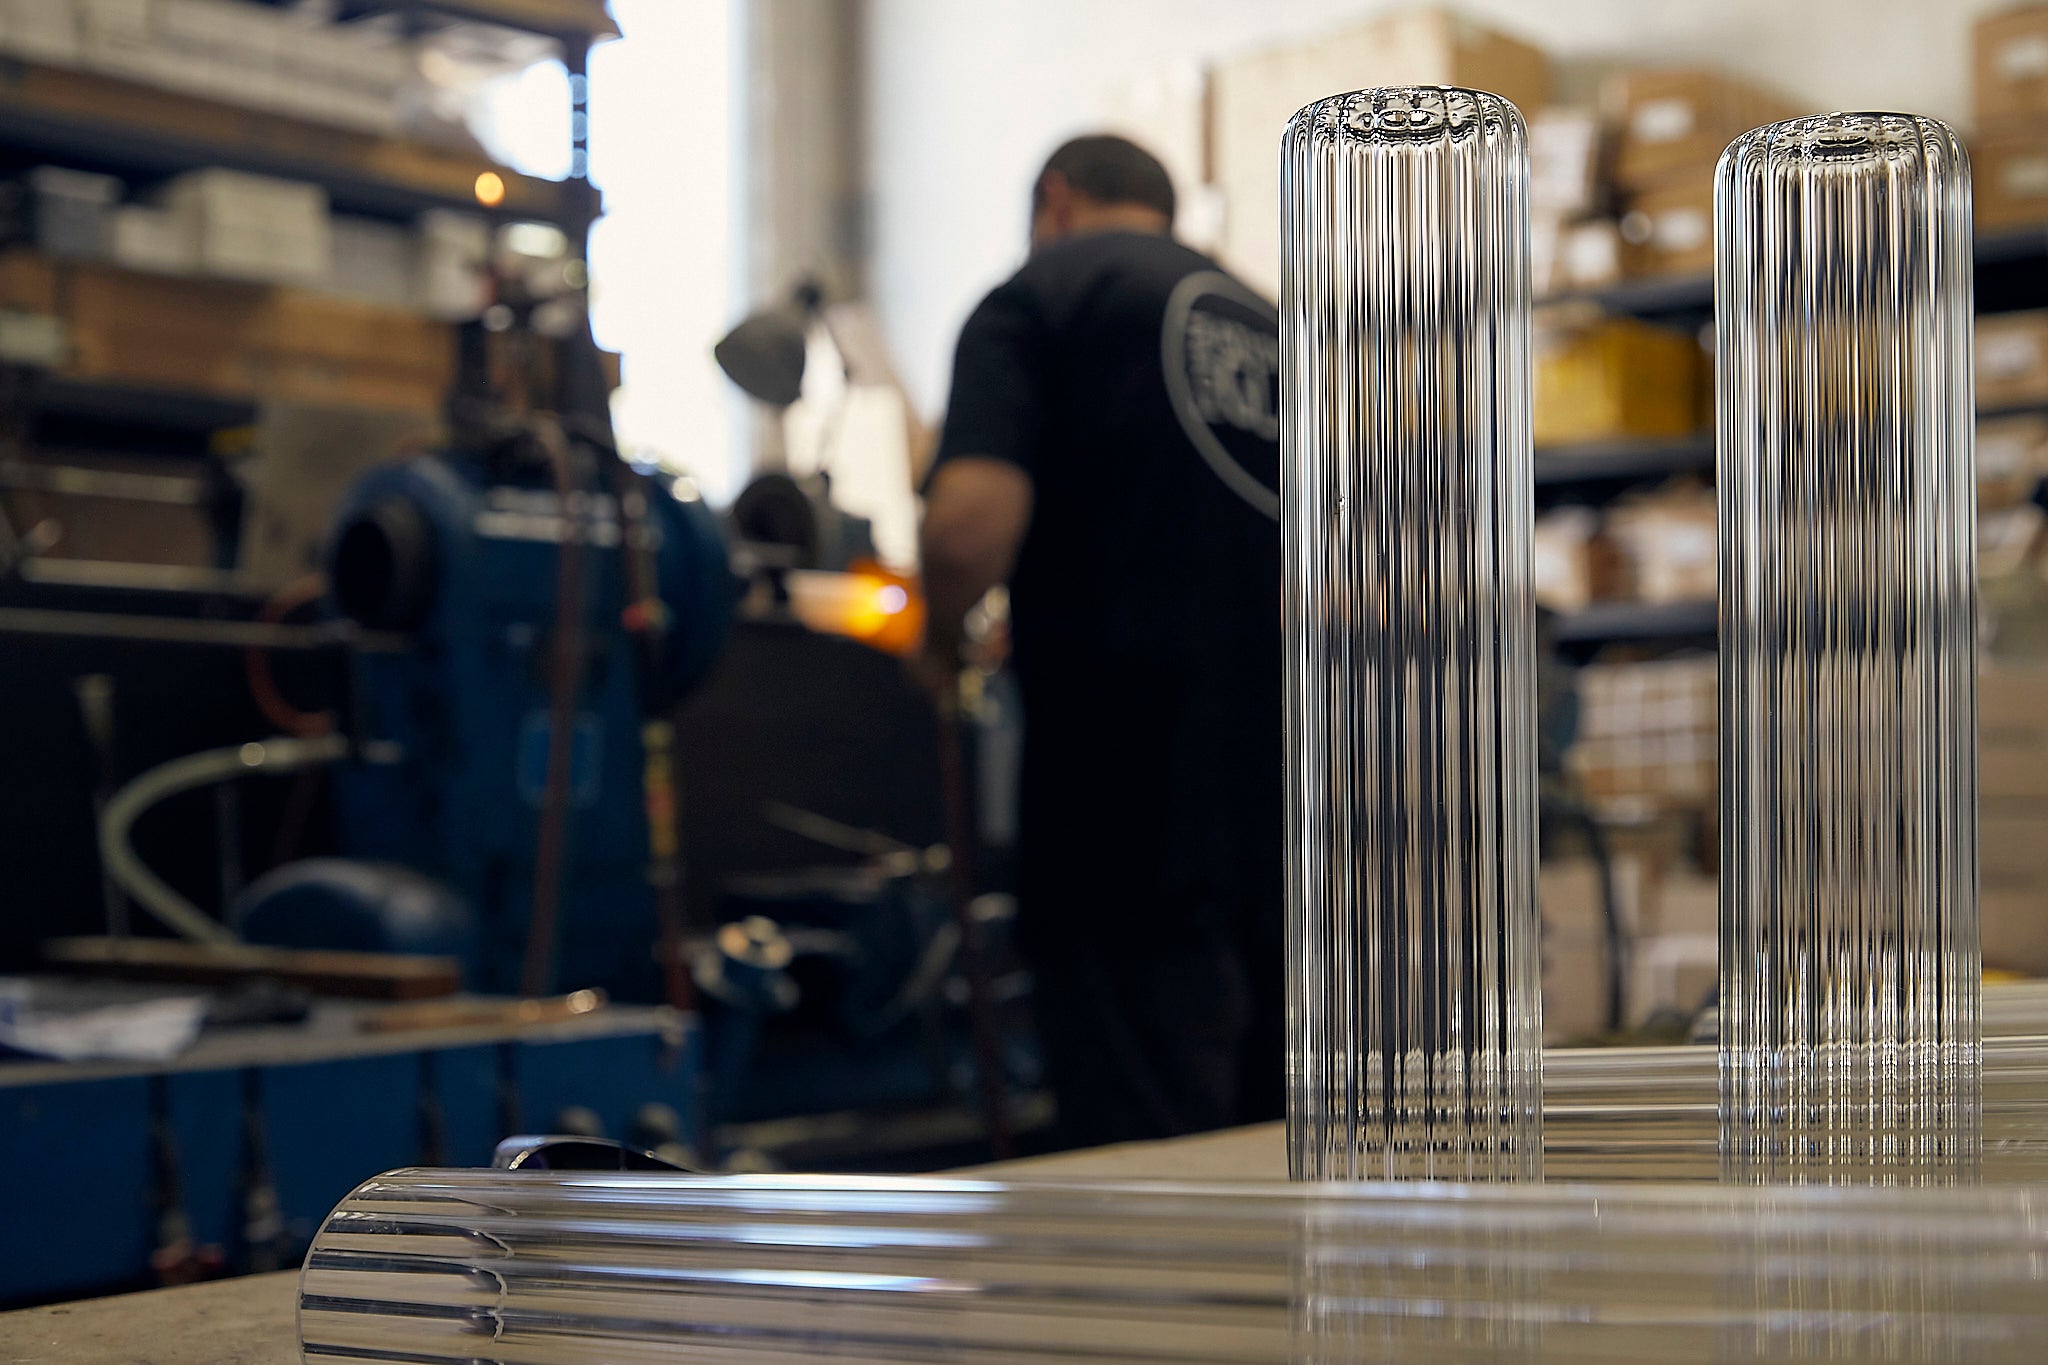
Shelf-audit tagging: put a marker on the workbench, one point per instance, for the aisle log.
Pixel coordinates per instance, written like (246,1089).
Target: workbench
(252,1321)
(305,1111)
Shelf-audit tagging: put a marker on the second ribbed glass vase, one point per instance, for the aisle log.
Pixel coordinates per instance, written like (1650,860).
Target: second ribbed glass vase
(1414,1019)
(1850,1045)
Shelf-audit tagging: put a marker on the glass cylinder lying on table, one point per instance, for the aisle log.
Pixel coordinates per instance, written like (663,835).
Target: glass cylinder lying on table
(534,1268)
(1849,959)
(1414,1018)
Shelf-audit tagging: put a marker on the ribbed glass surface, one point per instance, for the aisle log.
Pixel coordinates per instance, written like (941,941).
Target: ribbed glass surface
(1414,993)
(1849,960)
(531,1268)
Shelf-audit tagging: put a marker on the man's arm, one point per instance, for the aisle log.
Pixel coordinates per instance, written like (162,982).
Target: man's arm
(975,514)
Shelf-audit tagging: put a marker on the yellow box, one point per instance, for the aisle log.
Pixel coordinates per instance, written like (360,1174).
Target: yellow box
(1614,379)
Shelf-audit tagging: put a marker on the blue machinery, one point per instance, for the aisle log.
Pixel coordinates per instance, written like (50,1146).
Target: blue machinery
(463,556)
(456,565)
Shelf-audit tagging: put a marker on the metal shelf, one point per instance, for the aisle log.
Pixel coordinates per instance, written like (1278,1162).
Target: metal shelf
(2034,409)
(1619,622)
(578,20)
(138,406)
(1624,460)
(1688,295)
(134,129)
(2015,244)
(1693,295)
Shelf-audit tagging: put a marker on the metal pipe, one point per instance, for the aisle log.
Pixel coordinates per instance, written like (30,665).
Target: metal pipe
(117,852)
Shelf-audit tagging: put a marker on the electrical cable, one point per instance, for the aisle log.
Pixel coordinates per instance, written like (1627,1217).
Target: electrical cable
(551,839)
(271,757)
(646,620)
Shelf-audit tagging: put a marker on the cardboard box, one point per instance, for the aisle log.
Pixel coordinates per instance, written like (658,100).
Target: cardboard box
(2013,925)
(40,31)
(116,37)
(254,227)
(1613,378)
(1574,952)
(1253,96)
(2012,455)
(153,239)
(1589,255)
(1683,903)
(1647,732)
(2012,358)
(373,262)
(1669,230)
(1667,544)
(1679,120)
(237,340)
(1566,172)
(28,282)
(1564,557)
(2009,174)
(454,253)
(2012,733)
(2009,65)
(61,212)
(2012,836)
(1672,974)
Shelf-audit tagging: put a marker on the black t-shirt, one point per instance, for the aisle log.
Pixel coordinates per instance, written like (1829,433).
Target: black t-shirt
(1137,384)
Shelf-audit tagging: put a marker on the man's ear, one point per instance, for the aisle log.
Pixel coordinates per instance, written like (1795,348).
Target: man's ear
(1056,196)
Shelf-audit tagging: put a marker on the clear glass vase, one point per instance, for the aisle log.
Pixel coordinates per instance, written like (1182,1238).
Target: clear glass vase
(1414,1019)
(1850,969)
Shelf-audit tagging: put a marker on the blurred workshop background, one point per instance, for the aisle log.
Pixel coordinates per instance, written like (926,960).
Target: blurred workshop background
(440,699)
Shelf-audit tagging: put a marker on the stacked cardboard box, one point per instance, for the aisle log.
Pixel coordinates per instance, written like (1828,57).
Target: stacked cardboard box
(256,55)
(1664,544)
(1671,126)
(2012,359)
(1646,734)
(1574,243)
(233,340)
(2009,79)
(1251,98)
(1573,559)
(2012,723)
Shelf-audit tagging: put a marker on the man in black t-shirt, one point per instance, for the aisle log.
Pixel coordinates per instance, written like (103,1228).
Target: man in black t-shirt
(1111,452)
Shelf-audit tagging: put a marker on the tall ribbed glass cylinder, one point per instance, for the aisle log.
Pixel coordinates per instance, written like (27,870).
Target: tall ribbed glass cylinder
(1414,1020)
(1849,959)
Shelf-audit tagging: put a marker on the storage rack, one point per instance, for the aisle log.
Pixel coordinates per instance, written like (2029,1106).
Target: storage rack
(2012,274)
(128,128)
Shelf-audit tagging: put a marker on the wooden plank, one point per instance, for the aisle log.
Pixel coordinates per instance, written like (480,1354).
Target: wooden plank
(372,976)
(164,131)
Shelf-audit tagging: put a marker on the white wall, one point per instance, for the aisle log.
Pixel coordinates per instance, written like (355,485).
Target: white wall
(966,98)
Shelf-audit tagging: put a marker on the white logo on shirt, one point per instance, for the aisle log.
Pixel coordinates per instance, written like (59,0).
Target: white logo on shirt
(1220,372)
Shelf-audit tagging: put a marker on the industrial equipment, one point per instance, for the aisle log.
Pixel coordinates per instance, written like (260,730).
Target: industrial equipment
(504,592)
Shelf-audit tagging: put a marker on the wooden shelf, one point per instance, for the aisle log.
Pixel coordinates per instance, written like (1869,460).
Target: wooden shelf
(124,126)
